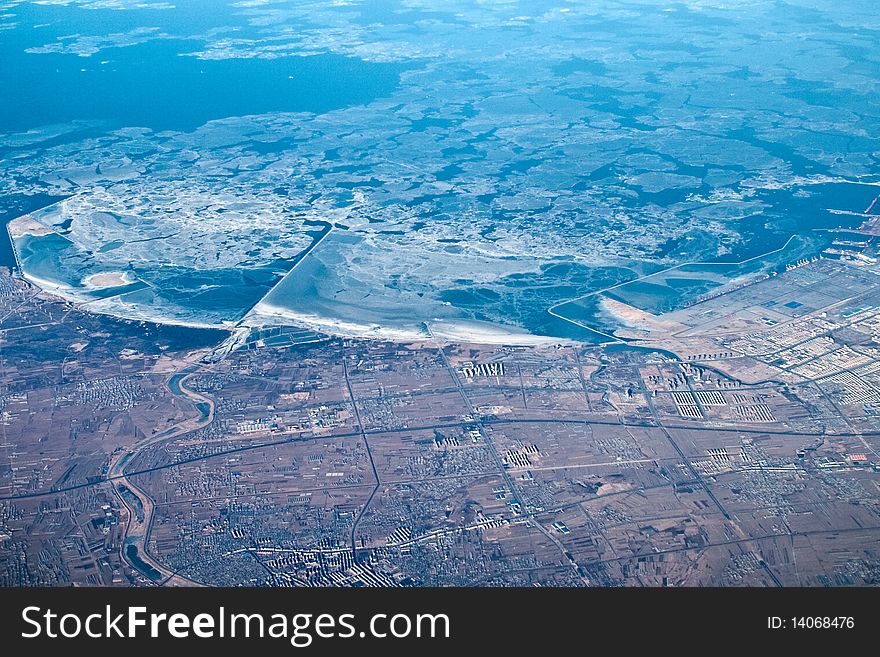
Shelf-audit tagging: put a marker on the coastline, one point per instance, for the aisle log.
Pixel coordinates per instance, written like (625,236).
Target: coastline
(68,295)
(464,331)
(50,287)
(469,331)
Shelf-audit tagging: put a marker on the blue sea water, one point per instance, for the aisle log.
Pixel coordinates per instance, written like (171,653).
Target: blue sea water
(157,84)
(512,127)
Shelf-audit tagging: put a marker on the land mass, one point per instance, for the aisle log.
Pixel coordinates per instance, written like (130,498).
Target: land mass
(691,456)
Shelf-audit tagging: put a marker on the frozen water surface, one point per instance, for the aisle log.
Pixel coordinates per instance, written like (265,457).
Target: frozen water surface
(402,167)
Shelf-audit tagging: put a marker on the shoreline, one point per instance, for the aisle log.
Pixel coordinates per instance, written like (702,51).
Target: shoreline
(91,306)
(47,286)
(465,331)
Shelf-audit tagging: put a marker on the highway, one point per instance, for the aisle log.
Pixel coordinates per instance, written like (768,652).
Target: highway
(363,436)
(445,425)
